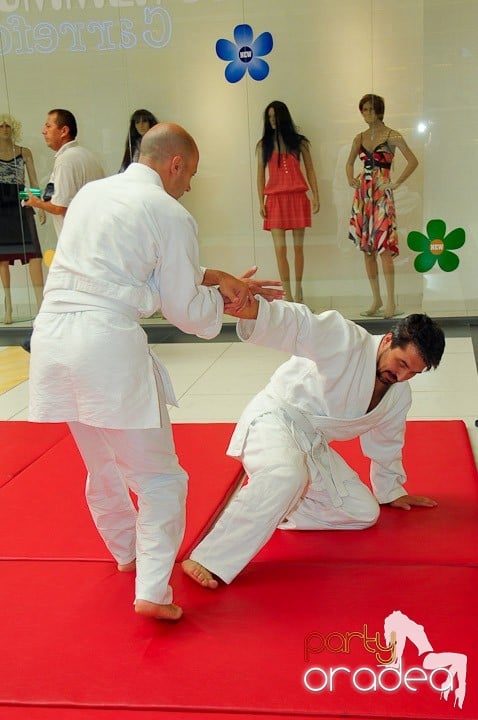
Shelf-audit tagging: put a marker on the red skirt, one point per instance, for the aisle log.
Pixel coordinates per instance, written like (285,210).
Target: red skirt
(287,211)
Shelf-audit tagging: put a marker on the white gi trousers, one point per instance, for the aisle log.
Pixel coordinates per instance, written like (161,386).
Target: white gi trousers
(145,462)
(296,482)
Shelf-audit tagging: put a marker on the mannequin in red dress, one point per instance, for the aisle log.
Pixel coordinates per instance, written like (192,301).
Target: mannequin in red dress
(283,201)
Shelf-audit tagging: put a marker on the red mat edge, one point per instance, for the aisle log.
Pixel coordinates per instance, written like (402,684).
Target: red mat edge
(464,430)
(10,476)
(171,712)
(194,711)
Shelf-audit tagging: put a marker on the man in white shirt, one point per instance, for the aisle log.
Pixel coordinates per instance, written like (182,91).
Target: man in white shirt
(341,383)
(74,166)
(127,249)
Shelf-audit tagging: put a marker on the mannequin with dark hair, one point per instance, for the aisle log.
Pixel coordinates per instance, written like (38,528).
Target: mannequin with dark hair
(139,124)
(373,225)
(283,200)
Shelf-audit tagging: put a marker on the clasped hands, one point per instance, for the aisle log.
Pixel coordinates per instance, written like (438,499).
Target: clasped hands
(238,293)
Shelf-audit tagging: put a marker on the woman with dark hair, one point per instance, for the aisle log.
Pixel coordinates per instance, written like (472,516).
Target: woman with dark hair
(283,200)
(373,225)
(139,124)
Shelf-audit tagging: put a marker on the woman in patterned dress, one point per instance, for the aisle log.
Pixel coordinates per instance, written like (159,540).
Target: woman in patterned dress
(18,233)
(373,226)
(283,200)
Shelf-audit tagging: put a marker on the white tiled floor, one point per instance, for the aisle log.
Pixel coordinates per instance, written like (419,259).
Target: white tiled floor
(214,381)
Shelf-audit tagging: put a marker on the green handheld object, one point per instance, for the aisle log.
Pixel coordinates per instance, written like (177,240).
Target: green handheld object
(23,195)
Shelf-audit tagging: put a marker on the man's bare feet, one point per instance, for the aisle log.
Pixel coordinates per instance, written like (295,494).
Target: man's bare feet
(199,574)
(156,611)
(128,567)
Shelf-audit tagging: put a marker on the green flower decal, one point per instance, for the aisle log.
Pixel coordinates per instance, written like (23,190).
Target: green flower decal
(436,247)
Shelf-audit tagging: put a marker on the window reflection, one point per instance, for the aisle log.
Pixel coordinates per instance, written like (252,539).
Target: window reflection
(106,59)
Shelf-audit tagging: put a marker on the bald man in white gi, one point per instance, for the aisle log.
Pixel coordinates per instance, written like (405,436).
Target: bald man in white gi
(340,383)
(127,249)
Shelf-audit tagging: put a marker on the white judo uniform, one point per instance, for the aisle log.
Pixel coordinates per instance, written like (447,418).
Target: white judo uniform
(296,481)
(127,248)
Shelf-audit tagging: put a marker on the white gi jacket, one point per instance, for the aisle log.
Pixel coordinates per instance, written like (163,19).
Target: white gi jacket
(126,249)
(328,386)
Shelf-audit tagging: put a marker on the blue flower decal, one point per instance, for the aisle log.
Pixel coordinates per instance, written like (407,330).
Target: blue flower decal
(245,54)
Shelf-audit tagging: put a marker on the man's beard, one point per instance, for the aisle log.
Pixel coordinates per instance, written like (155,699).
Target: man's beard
(386,377)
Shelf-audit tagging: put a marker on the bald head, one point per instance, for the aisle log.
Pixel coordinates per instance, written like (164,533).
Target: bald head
(165,140)
(171,151)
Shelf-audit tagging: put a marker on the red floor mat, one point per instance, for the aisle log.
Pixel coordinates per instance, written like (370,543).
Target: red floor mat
(70,713)
(55,522)
(73,649)
(440,464)
(54,488)
(213,476)
(69,636)
(22,443)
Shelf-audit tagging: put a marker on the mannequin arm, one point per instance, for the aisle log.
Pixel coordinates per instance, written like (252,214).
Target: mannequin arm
(349,165)
(398,141)
(311,176)
(261,180)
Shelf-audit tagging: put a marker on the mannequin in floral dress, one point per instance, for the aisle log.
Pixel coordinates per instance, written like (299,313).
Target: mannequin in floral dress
(373,226)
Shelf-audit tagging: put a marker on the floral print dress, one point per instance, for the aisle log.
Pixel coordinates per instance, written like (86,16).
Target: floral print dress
(373,224)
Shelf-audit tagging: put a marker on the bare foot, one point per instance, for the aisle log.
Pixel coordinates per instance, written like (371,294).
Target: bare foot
(156,611)
(199,574)
(129,567)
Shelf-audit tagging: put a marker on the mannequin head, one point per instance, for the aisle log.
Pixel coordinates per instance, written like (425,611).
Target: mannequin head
(278,124)
(377,104)
(138,122)
(8,121)
(277,117)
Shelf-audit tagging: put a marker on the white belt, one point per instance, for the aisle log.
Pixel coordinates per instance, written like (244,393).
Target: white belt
(159,369)
(318,455)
